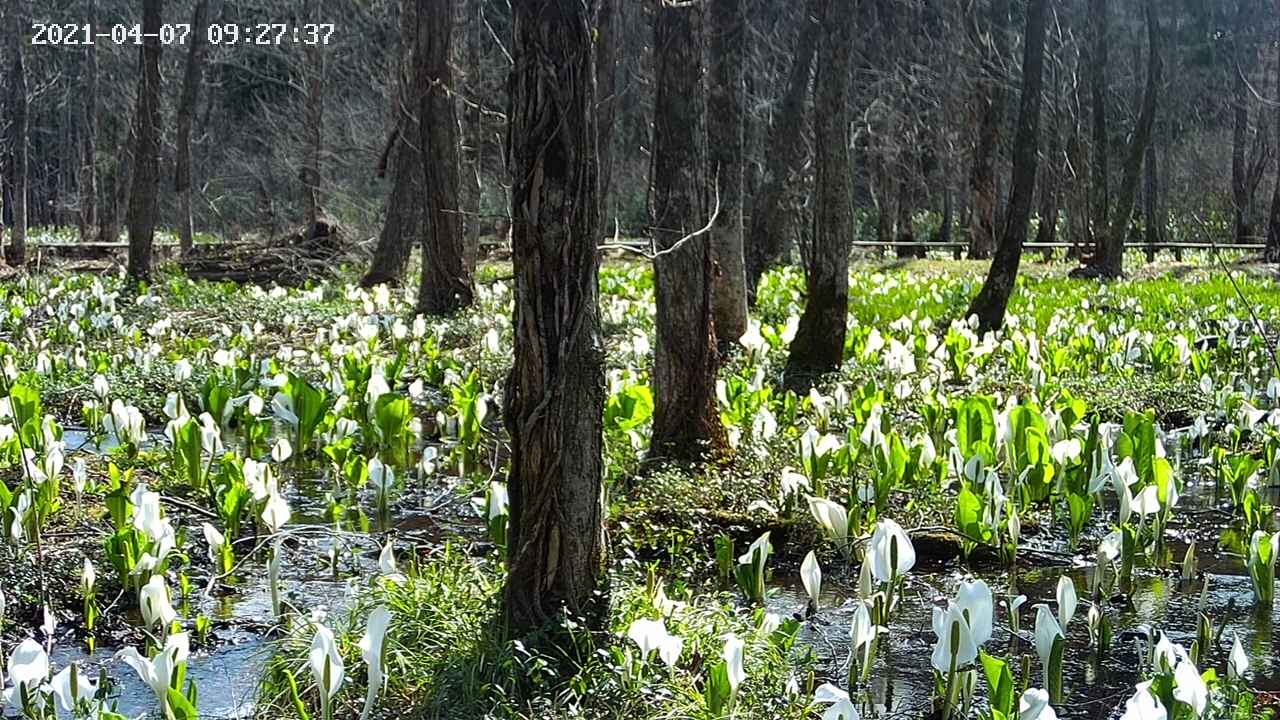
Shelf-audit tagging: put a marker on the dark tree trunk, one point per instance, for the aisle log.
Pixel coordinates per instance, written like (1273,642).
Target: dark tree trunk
(313,123)
(905,223)
(446,281)
(990,104)
(818,346)
(1151,202)
(1242,185)
(186,110)
(116,192)
(16,252)
(145,188)
(89,157)
(1047,233)
(555,392)
(686,422)
(726,107)
(472,26)
(1099,189)
(993,299)
(784,157)
(606,99)
(403,221)
(1273,227)
(1110,260)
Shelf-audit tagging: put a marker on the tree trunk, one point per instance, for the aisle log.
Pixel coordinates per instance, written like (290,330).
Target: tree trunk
(1111,256)
(1151,202)
(993,299)
(555,391)
(1047,233)
(905,222)
(89,157)
(818,346)
(726,107)
(784,158)
(186,109)
(115,190)
(446,282)
(473,27)
(1100,195)
(145,188)
(606,110)
(686,423)
(990,104)
(18,109)
(1273,227)
(1241,187)
(313,128)
(403,221)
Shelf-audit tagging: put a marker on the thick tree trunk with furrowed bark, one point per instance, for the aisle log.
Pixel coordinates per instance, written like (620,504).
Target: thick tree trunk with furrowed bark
(766,238)
(818,346)
(993,299)
(726,107)
(686,422)
(555,391)
(446,281)
(145,188)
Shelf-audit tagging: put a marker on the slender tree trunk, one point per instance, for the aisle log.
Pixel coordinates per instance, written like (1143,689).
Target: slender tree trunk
(16,253)
(686,422)
(1047,233)
(555,392)
(1273,227)
(89,157)
(1151,202)
(145,188)
(726,100)
(446,282)
(1241,187)
(993,299)
(472,26)
(403,222)
(906,213)
(313,128)
(784,158)
(818,345)
(1099,189)
(186,109)
(1111,257)
(990,104)
(606,111)
(115,190)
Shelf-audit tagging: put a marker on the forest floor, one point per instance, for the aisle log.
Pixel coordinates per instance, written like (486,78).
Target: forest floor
(1175,340)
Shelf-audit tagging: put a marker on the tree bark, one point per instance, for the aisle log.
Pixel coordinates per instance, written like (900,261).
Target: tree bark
(403,221)
(89,157)
(1110,260)
(145,189)
(186,108)
(784,158)
(818,346)
(990,104)
(473,27)
(446,282)
(16,253)
(991,302)
(115,191)
(726,102)
(1242,185)
(1099,190)
(1047,232)
(686,423)
(555,391)
(313,123)
(1151,202)
(1272,253)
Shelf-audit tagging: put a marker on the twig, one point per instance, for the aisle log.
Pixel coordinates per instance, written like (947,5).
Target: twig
(711,222)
